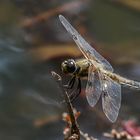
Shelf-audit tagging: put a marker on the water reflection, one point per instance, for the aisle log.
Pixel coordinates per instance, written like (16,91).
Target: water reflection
(29,97)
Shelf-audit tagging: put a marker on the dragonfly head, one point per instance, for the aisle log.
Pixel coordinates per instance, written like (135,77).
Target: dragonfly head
(68,66)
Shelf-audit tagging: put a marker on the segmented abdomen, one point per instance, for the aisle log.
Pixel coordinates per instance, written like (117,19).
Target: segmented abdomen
(124,81)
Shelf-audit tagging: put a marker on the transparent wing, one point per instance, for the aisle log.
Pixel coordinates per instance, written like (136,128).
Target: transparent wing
(93,88)
(88,51)
(111,98)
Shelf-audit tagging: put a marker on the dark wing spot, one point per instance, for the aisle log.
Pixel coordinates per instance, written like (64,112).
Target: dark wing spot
(89,83)
(74,37)
(104,94)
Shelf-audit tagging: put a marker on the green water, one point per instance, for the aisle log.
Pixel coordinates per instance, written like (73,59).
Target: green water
(113,23)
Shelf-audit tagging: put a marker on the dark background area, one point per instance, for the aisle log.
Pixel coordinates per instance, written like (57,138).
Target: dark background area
(33,43)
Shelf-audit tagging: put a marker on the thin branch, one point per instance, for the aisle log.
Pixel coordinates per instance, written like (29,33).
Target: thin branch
(75,134)
(86,136)
(123,135)
(50,13)
(74,129)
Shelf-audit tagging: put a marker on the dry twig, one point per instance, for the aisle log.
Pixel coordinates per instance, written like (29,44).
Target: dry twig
(123,135)
(86,136)
(52,12)
(72,131)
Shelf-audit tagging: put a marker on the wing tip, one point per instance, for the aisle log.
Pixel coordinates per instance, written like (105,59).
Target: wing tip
(61,17)
(112,119)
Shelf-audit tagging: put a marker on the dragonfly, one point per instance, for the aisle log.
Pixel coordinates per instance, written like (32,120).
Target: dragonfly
(101,79)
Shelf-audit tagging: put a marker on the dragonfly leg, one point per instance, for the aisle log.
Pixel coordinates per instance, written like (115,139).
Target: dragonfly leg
(70,83)
(76,92)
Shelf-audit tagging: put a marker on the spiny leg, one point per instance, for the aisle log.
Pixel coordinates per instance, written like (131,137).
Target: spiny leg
(70,83)
(76,92)
(72,92)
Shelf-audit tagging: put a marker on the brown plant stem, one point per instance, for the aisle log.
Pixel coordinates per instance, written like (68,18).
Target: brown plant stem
(75,133)
(52,12)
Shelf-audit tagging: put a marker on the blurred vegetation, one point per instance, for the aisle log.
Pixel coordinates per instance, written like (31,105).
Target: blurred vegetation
(33,43)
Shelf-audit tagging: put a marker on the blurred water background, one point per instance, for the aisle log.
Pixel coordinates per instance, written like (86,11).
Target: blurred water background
(33,43)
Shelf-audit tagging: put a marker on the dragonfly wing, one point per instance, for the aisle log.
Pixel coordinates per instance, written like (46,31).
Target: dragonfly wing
(93,88)
(111,98)
(88,51)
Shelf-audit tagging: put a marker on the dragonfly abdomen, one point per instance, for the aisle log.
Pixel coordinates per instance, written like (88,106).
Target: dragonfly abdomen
(125,81)
(113,76)
(131,84)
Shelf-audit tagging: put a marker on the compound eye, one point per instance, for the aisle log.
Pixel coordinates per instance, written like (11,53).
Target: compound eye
(65,62)
(71,66)
(72,63)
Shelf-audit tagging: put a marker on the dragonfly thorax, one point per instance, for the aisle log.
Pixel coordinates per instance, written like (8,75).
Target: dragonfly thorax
(68,66)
